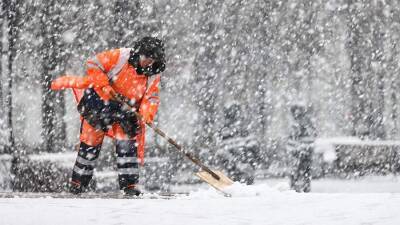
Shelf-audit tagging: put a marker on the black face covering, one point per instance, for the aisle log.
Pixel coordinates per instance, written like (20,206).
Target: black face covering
(156,68)
(134,61)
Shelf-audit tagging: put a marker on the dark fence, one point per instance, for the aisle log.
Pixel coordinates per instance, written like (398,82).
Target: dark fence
(367,158)
(164,168)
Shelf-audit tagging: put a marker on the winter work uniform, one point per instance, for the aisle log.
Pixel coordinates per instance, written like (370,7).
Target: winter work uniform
(300,146)
(116,71)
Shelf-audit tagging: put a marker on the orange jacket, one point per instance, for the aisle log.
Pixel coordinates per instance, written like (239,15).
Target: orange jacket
(108,71)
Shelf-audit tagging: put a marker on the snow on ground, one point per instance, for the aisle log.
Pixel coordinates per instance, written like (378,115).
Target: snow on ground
(369,184)
(264,203)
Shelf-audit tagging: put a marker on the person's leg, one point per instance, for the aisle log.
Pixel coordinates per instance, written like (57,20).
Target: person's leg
(295,170)
(128,166)
(89,150)
(302,175)
(306,163)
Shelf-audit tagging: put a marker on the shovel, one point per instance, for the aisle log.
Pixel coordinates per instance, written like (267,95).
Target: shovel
(214,178)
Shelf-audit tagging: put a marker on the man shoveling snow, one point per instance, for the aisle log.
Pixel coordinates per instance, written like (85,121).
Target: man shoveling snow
(134,75)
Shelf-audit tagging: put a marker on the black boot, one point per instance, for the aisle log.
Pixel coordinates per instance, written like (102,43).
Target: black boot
(75,188)
(132,190)
(82,172)
(128,167)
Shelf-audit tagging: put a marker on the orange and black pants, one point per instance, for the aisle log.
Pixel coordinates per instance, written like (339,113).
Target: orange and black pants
(127,164)
(98,117)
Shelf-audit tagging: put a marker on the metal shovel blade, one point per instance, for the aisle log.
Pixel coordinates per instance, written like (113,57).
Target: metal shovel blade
(219,184)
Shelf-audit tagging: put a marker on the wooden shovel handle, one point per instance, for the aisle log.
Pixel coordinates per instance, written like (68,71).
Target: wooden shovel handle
(170,140)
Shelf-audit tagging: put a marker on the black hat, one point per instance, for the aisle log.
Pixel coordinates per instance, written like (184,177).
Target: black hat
(150,47)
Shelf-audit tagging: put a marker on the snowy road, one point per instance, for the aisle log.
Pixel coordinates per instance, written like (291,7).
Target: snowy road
(208,208)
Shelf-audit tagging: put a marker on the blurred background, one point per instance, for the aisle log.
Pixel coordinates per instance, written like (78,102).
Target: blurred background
(236,72)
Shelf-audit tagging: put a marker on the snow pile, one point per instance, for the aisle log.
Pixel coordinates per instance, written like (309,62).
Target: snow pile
(326,146)
(241,190)
(204,194)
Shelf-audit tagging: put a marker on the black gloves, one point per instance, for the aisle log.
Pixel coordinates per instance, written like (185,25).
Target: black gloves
(101,115)
(129,123)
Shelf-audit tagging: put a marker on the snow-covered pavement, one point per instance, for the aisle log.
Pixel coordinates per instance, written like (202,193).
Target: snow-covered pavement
(257,204)
(274,209)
